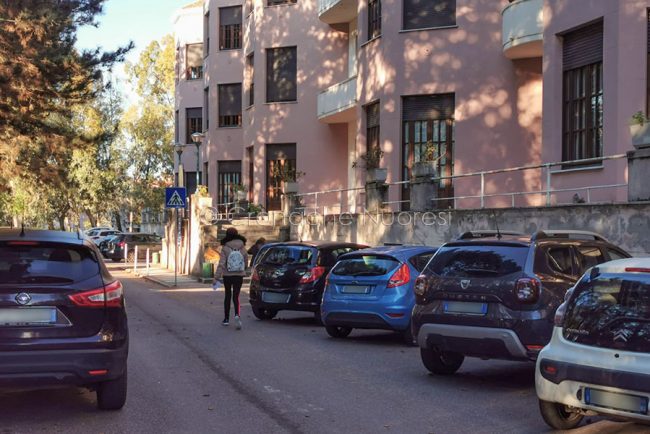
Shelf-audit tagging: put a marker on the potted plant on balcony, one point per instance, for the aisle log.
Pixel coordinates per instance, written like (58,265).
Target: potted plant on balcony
(288,177)
(428,164)
(240,192)
(640,130)
(372,160)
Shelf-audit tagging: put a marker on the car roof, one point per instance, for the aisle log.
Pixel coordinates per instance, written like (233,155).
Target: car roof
(396,251)
(41,236)
(317,244)
(620,265)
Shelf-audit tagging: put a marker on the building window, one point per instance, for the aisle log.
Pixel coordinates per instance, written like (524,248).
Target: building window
(582,124)
(194,122)
(228,180)
(194,61)
(230,105)
(280,159)
(372,127)
(280,2)
(281,71)
(428,135)
(205,179)
(206,34)
(177,126)
(230,24)
(374,18)
(206,108)
(250,78)
(424,14)
(250,156)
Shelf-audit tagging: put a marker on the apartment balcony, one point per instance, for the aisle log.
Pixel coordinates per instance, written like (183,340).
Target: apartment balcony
(338,103)
(523,29)
(337,11)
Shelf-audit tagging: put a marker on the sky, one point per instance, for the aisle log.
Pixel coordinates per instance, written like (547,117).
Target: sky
(140,21)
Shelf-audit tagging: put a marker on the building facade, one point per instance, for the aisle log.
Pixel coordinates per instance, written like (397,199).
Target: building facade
(306,88)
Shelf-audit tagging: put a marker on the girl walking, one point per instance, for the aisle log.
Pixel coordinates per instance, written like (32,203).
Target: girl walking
(231,271)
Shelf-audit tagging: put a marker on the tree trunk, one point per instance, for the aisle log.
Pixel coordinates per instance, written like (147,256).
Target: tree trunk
(118,220)
(50,225)
(62,222)
(92,218)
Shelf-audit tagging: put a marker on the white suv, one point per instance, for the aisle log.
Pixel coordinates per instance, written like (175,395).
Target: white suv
(598,360)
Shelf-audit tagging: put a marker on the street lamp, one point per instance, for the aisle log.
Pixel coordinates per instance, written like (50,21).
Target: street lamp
(197,138)
(179,147)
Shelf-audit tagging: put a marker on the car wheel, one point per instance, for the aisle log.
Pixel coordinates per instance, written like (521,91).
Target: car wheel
(559,416)
(117,260)
(338,332)
(111,395)
(264,314)
(441,363)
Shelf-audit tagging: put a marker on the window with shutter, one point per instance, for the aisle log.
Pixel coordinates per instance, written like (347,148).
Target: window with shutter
(250,78)
(281,71)
(206,34)
(229,177)
(194,61)
(423,14)
(280,2)
(372,126)
(230,28)
(230,107)
(206,107)
(279,158)
(428,135)
(374,19)
(194,122)
(582,125)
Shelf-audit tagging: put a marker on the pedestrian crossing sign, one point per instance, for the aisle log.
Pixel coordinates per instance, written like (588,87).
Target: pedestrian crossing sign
(175,197)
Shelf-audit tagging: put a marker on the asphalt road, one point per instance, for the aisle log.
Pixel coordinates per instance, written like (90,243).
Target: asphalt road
(188,374)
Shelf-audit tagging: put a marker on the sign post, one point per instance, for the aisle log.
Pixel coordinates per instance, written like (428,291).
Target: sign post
(176,198)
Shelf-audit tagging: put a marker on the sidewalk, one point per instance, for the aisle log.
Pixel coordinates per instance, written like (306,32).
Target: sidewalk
(165,277)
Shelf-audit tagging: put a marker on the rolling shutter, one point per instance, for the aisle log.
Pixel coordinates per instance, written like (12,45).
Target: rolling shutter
(230,99)
(372,115)
(285,151)
(281,72)
(194,55)
(229,16)
(425,107)
(583,47)
(422,14)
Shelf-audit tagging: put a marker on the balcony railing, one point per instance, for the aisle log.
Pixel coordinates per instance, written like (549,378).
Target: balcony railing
(337,11)
(338,102)
(523,29)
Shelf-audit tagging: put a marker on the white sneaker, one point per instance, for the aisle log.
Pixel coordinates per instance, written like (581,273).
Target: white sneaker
(237,322)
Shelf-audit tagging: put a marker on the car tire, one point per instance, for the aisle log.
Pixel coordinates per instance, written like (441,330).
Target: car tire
(111,395)
(338,332)
(441,363)
(558,417)
(117,260)
(264,314)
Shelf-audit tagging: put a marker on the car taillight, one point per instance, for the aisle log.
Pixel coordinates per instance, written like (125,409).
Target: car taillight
(312,275)
(421,286)
(110,295)
(527,290)
(121,244)
(558,319)
(401,277)
(637,270)
(255,276)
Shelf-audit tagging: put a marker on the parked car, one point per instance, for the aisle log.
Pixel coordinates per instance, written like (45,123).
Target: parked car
(291,276)
(598,360)
(105,244)
(373,289)
(103,235)
(494,297)
(93,231)
(116,246)
(62,316)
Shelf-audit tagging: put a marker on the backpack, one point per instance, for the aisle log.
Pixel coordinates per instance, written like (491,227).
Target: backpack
(235,262)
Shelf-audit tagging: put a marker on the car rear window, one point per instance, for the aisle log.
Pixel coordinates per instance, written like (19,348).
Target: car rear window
(46,264)
(478,261)
(611,311)
(283,255)
(366,265)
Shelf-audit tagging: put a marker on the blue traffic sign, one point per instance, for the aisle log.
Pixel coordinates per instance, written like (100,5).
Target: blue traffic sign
(175,197)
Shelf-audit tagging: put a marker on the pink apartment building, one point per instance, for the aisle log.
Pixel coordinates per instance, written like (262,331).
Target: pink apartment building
(487,85)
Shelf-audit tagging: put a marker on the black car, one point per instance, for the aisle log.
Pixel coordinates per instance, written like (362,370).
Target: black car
(494,296)
(62,316)
(117,245)
(291,276)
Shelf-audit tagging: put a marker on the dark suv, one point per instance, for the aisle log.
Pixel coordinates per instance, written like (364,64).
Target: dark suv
(291,276)
(115,247)
(62,316)
(494,295)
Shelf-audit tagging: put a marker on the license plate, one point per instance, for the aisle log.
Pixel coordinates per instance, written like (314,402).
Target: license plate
(27,316)
(355,289)
(465,307)
(616,401)
(275,297)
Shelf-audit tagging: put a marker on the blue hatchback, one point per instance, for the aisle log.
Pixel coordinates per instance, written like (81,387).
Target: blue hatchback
(373,289)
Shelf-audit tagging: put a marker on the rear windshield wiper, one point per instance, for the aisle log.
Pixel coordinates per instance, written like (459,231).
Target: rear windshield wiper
(479,271)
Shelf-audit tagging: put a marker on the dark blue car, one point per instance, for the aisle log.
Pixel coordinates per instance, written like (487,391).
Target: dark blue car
(373,289)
